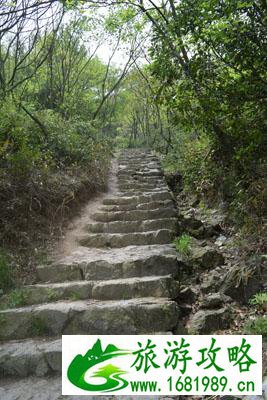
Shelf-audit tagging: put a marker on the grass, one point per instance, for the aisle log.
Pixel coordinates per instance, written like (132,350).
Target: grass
(2,320)
(257,326)
(6,279)
(204,209)
(183,244)
(52,295)
(259,300)
(16,298)
(74,296)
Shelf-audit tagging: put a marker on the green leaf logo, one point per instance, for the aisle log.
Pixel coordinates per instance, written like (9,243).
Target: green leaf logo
(112,374)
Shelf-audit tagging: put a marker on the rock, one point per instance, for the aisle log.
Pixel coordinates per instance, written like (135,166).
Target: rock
(138,315)
(190,222)
(160,236)
(51,389)
(214,300)
(174,181)
(208,321)
(180,329)
(134,215)
(220,240)
(102,264)
(212,282)
(242,282)
(185,309)
(188,295)
(161,286)
(206,257)
(212,229)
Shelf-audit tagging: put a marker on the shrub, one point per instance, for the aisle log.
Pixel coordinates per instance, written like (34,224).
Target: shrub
(16,298)
(257,326)
(183,244)
(6,279)
(259,300)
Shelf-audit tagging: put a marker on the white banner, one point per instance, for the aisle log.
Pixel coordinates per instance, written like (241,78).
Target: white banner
(161,365)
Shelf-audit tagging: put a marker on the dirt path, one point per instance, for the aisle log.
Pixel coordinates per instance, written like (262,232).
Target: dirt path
(68,244)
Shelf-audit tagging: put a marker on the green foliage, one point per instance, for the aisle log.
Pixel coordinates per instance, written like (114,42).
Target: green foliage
(211,100)
(16,298)
(259,300)
(121,142)
(74,296)
(6,278)
(52,150)
(2,320)
(52,295)
(38,327)
(257,326)
(183,244)
(240,275)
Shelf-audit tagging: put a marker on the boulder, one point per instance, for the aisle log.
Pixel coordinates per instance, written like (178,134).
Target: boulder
(214,300)
(242,282)
(220,241)
(206,257)
(188,295)
(208,321)
(174,181)
(212,282)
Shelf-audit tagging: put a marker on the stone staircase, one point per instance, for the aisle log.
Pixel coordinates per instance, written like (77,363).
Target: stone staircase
(120,280)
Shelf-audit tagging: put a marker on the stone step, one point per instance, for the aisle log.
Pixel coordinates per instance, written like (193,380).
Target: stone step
(142,186)
(89,317)
(159,286)
(39,357)
(50,388)
(111,240)
(150,164)
(133,226)
(113,289)
(134,215)
(33,357)
(141,206)
(99,264)
(163,195)
(50,292)
(140,178)
(137,192)
(138,158)
(145,173)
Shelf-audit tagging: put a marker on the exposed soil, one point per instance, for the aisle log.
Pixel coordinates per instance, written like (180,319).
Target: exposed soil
(75,228)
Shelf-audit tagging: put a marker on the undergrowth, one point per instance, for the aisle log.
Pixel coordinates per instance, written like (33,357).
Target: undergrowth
(183,244)
(43,182)
(6,274)
(256,326)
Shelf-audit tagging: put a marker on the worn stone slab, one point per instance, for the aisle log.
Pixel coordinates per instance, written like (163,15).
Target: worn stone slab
(133,226)
(112,240)
(151,205)
(134,215)
(44,293)
(95,264)
(159,286)
(23,358)
(90,317)
(109,289)
(163,195)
